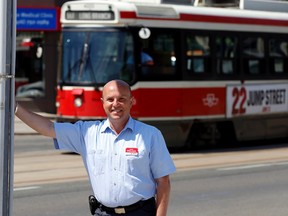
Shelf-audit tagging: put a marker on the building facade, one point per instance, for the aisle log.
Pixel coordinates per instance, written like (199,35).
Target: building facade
(37,43)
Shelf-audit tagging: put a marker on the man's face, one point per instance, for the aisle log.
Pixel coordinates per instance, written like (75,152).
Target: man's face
(117,101)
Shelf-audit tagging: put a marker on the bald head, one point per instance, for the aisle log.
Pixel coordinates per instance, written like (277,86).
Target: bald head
(116,85)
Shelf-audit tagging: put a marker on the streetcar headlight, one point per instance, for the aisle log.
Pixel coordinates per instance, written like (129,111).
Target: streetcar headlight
(78,102)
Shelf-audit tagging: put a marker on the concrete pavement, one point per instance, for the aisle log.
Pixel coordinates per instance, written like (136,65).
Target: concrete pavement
(33,168)
(51,166)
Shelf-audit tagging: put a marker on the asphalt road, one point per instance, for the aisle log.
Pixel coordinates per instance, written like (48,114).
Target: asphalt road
(242,182)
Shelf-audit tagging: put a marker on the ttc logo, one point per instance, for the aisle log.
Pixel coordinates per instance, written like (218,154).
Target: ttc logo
(210,100)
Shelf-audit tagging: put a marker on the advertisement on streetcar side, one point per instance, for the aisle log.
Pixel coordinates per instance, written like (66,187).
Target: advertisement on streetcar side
(256,99)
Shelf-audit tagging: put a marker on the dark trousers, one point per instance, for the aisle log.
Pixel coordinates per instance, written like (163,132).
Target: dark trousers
(146,210)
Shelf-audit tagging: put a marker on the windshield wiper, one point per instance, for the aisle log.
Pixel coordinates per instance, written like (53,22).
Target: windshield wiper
(83,60)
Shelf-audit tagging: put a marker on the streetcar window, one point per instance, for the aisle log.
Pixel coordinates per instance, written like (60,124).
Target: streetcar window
(198,53)
(225,54)
(165,50)
(278,48)
(278,55)
(253,55)
(158,56)
(96,57)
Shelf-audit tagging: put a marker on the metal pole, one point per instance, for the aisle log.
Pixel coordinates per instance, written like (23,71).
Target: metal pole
(7,96)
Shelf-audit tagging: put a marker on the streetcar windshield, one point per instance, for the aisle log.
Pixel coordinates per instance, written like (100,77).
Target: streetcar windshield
(91,57)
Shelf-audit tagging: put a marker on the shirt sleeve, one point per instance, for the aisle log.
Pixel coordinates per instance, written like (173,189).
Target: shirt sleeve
(161,161)
(69,137)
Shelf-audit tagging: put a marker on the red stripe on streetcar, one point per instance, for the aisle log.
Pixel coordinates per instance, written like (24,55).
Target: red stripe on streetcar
(128,15)
(232,20)
(154,102)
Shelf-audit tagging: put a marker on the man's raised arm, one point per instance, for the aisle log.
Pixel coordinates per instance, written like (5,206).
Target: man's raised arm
(37,122)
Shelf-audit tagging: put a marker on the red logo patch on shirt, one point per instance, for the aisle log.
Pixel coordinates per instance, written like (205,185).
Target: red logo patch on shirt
(131,151)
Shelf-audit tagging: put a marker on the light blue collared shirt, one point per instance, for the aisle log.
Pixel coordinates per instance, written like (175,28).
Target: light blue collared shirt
(122,168)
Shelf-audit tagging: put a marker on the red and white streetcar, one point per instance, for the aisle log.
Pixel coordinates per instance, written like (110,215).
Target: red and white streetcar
(201,75)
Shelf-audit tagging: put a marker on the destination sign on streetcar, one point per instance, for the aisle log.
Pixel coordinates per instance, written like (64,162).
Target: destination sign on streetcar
(90,15)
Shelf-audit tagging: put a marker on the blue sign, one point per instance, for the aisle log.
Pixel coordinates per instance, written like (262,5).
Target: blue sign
(37,19)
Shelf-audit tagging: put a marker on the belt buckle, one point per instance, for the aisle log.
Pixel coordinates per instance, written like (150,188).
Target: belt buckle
(119,210)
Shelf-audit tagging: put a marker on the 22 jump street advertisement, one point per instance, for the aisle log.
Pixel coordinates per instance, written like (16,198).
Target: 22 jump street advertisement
(256,99)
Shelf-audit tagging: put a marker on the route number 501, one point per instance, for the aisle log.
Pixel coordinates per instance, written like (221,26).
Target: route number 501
(239,98)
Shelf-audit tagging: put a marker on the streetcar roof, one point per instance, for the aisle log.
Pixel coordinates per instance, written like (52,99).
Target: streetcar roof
(170,15)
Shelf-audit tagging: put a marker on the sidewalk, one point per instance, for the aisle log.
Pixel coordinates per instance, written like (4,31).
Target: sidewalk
(50,166)
(34,168)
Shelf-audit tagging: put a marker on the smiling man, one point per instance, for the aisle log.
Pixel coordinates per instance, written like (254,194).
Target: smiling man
(117,102)
(127,161)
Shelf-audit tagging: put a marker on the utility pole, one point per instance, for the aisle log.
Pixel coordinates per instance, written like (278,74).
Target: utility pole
(7,97)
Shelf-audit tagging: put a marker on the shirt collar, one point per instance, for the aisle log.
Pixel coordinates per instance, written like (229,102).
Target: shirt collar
(106,125)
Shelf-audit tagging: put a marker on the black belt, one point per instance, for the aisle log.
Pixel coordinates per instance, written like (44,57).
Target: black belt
(126,209)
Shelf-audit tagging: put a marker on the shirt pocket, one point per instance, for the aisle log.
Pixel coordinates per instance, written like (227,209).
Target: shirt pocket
(136,163)
(98,160)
